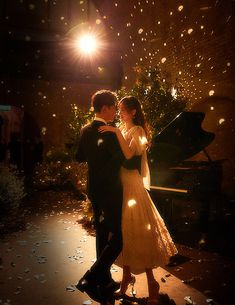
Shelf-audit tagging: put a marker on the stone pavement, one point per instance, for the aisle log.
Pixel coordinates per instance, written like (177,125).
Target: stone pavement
(41,265)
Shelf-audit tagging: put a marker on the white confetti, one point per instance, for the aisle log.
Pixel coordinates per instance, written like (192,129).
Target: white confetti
(22,242)
(70,288)
(88,302)
(41,259)
(47,241)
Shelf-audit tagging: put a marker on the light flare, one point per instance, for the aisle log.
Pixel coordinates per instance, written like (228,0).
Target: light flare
(87,44)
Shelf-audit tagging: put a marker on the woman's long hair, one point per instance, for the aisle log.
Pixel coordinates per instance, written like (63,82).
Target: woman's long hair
(132,103)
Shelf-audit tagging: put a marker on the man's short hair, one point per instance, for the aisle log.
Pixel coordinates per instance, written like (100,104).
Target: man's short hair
(103,98)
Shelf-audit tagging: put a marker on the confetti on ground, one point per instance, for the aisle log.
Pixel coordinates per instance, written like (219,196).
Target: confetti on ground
(22,242)
(88,302)
(26,270)
(210,301)
(189,300)
(114,269)
(178,269)
(70,288)
(47,241)
(7,302)
(41,259)
(40,277)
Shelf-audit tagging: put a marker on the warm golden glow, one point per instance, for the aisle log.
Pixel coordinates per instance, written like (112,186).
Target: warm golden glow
(143,140)
(87,44)
(131,202)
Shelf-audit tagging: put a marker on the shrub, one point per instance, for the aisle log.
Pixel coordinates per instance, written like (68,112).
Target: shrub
(57,155)
(161,100)
(77,119)
(63,175)
(11,191)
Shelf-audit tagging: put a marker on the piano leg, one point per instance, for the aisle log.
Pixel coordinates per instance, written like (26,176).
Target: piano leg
(210,210)
(204,214)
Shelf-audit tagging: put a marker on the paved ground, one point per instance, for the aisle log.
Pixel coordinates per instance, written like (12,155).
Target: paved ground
(41,264)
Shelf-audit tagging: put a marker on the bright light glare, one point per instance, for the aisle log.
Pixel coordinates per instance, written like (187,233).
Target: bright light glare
(87,44)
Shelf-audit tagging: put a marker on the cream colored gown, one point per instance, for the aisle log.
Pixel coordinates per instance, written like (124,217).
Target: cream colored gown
(146,240)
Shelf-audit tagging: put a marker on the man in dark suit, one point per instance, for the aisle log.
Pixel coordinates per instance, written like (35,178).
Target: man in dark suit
(104,157)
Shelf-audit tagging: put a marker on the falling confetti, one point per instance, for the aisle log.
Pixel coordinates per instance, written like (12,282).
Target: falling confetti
(180,8)
(190,31)
(221,121)
(211,92)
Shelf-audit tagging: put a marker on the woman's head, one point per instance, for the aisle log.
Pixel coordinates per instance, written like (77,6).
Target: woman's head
(131,111)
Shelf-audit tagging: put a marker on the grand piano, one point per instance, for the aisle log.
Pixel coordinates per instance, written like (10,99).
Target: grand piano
(173,176)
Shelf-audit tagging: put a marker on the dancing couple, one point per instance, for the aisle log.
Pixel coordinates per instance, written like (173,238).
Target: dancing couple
(129,230)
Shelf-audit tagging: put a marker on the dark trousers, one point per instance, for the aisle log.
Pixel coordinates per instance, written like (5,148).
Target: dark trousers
(108,246)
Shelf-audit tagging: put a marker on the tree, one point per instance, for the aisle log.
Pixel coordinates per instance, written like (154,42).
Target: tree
(161,101)
(77,119)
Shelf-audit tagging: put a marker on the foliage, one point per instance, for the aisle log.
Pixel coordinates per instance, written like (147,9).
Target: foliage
(58,155)
(161,101)
(87,219)
(11,191)
(59,170)
(78,118)
(58,174)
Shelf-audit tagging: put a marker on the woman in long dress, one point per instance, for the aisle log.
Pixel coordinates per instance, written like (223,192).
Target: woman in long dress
(147,243)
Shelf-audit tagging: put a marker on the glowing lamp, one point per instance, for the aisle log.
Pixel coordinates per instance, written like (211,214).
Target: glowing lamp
(87,44)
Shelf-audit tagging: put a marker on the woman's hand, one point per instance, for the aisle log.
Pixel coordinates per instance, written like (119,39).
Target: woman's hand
(108,128)
(123,144)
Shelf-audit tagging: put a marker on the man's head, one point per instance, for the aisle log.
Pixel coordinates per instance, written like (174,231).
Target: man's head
(104,104)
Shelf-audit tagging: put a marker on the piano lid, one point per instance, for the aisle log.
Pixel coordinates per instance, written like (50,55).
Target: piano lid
(182,138)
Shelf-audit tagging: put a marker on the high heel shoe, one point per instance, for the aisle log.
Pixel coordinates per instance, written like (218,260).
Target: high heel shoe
(154,288)
(125,283)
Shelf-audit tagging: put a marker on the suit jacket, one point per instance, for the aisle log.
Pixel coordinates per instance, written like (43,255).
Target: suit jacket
(103,154)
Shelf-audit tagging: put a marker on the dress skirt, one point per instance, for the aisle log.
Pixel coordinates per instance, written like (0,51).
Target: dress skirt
(146,241)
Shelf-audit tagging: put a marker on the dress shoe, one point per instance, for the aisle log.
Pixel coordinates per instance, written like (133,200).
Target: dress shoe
(110,302)
(92,289)
(86,281)
(112,285)
(97,290)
